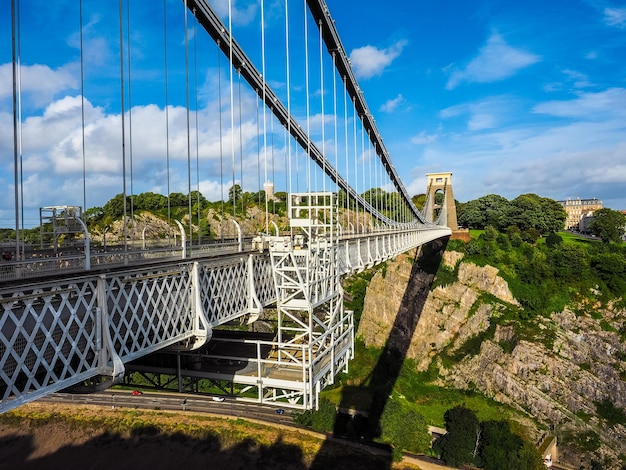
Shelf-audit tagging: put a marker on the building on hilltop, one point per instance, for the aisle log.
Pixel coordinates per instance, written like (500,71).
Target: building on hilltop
(578,210)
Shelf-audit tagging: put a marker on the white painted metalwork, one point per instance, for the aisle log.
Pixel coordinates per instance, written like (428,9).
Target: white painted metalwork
(315,334)
(61,333)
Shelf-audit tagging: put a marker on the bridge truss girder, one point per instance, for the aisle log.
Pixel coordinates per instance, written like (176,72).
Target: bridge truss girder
(80,331)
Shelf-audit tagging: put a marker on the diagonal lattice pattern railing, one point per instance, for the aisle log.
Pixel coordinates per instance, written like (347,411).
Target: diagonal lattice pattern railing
(61,333)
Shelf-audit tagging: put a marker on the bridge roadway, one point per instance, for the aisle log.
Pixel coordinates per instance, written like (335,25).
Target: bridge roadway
(67,329)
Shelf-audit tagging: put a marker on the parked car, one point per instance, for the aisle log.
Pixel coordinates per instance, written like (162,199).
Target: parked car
(137,393)
(218,398)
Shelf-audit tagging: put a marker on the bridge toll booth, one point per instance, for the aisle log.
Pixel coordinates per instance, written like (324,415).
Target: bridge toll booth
(440,206)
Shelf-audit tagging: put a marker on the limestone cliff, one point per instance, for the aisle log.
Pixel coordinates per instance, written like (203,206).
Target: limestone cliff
(556,369)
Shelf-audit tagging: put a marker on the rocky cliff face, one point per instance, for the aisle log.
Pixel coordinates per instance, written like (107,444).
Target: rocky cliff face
(558,375)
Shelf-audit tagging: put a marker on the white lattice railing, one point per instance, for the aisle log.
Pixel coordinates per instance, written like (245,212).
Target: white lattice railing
(56,334)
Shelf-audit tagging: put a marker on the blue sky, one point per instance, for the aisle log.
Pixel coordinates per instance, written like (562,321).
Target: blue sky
(511,97)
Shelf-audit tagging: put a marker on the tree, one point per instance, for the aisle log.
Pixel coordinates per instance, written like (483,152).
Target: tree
(405,428)
(150,201)
(523,211)
(459,445)
(611,268)
(553,240)
(419,200)
(198,197)
(552,216)
(321,420)
(94,214)
(487,210)
(609,225)
(500,449)
(234,193)
(570,262)
(115,206)
(529,211)
(178,200)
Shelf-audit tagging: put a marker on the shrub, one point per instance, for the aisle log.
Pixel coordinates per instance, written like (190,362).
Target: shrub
(612,414)
(405,428)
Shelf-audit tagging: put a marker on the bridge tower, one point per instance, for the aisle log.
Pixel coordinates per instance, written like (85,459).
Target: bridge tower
(440,200)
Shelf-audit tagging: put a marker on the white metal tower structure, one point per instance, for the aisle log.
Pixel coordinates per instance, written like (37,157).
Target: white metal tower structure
(312,320)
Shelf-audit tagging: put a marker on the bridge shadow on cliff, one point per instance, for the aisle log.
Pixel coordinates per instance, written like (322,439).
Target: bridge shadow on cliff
(354,423)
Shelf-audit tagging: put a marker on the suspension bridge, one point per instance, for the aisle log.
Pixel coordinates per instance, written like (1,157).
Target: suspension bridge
(77,320)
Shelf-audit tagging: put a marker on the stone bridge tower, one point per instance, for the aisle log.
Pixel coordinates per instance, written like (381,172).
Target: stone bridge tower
(440,198)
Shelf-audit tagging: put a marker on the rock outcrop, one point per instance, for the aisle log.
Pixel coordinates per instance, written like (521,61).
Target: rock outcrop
(558,374)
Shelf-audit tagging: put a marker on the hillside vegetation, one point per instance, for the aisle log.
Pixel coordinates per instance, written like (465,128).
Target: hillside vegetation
(552,348)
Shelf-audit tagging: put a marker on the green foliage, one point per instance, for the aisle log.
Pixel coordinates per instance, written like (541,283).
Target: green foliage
(531,212)
(234,193)
(150,201)
(609,225)
(404,427)
(383,269)
(115,206)
(500,449)
(321,420)
(490,445)
(553,240)
(445,276)
(585,441)
(355,288)
(456,245)
(569,263)
(471,347)
(458,445)
(611,268)
(487,210)
(611,413)
(545,278)
(532,215)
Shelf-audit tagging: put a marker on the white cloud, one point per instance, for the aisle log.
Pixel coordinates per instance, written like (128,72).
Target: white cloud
(242,15)
(52,157)
(615,17)
(481,121)
(578,79)
(38,83)
(607,104)
(390,105)
(495,61)
(422,138)
(482,114)
(581,154)
(369,61)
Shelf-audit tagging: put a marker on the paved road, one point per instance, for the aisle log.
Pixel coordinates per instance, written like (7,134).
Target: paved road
(176,402)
